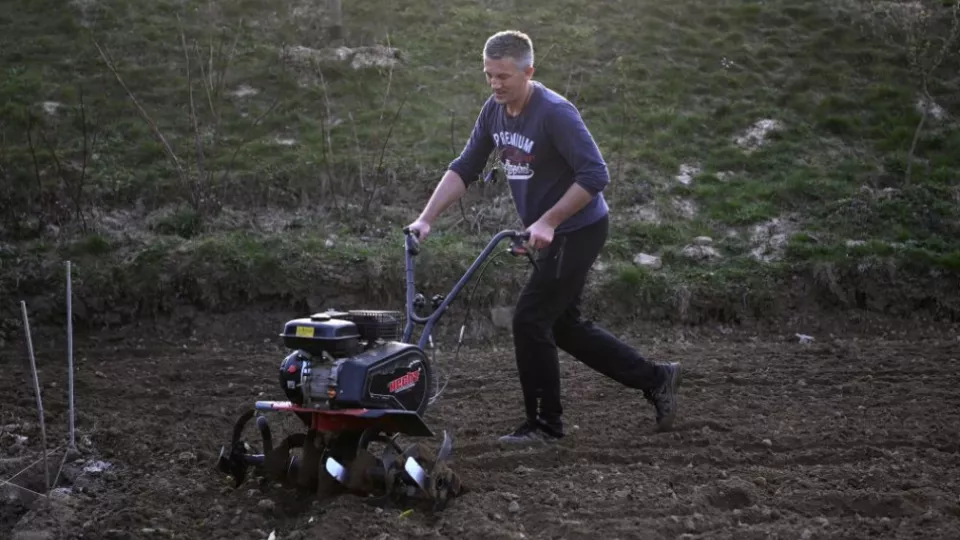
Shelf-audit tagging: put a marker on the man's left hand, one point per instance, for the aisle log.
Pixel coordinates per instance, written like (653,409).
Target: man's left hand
(541,235)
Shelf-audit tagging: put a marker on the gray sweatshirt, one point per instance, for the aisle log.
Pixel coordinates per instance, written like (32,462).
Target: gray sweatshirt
(542,153)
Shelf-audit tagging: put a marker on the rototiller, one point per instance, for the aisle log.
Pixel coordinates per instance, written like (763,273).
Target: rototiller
(354,379)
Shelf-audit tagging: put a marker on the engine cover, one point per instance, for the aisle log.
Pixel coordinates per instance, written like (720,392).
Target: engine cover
(394,375)
(322,333)
(391,375)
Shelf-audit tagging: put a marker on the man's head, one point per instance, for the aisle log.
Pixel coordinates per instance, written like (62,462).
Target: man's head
(508,65)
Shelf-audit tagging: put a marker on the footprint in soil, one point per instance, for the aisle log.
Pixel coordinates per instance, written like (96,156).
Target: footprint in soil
(693,425)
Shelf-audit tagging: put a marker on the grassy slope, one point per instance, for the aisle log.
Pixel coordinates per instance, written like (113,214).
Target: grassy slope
(660,84)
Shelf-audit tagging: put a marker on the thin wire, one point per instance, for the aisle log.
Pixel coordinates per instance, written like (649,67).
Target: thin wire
(433,399)
(28,490)
(60,469)
(7,481)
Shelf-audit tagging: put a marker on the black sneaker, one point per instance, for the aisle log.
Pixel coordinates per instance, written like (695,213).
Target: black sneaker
(664,397)
(530,432)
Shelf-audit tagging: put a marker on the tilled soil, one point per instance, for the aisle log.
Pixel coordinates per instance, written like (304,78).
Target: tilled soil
(839,438)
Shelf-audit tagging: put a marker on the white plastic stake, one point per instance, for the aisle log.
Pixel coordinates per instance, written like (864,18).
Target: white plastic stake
(73,442)
(36,388)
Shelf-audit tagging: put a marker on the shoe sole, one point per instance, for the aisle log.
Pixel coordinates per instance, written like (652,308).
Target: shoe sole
(666,424)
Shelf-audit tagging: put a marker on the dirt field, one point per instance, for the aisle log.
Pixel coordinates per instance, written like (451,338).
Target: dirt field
(846,437)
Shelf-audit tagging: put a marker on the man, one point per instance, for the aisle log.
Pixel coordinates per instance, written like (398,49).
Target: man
(556,176)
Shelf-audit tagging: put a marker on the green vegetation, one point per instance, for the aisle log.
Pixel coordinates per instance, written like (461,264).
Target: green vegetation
(843,199)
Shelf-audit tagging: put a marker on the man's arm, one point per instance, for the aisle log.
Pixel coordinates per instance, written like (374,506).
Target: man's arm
(450,188)
(575,143)
(469,164)
(572,202)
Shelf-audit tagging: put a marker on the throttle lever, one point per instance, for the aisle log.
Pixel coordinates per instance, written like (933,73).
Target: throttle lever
(517,248)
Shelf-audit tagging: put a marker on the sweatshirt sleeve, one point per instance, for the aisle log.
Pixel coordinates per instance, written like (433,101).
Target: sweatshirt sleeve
(469,164)
(573,140)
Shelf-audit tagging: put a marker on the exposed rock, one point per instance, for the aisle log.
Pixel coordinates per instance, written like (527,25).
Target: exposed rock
(687,174)
(703,241)
(931,107)
(687,209)
(700,252)
(770,238)
(308,60)
(51,107)
(756,136)
(244,90)
(650,261)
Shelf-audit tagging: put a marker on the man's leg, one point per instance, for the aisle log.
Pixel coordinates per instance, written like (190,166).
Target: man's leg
(542,301)
(603,352)
(547,316)
(550,292)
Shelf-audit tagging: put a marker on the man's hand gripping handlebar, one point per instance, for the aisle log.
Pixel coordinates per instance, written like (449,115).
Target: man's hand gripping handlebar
(517,246)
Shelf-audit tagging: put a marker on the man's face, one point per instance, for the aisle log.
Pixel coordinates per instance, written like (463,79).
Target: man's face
(507,81)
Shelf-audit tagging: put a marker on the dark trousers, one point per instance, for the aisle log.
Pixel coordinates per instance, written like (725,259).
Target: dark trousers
(547,316)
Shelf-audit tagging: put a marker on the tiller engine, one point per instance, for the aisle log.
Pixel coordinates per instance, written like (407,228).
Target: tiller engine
(357,382)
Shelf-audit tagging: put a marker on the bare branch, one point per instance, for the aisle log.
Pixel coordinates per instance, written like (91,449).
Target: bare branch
(143,113)
(36,163)
(380,171)
(356,140)
(328,149)
(246,139)
(87,148)
(917,28)
(197,187)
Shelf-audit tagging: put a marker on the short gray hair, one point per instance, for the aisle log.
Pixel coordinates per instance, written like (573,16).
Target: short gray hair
(510,44)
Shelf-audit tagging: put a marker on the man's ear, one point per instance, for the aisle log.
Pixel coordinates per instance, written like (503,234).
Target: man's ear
(529,71)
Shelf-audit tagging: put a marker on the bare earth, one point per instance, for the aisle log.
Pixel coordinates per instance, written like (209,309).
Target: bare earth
(845,437)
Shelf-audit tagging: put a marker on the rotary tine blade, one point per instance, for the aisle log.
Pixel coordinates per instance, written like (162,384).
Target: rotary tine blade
(446,449)
(444,484)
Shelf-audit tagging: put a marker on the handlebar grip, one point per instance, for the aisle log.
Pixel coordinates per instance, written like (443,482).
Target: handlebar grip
(413,242)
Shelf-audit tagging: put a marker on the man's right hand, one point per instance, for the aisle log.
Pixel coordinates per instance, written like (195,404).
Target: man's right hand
(450,188)
(422,227)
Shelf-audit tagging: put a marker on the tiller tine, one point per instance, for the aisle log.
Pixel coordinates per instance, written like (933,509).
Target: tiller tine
(236,458)
(308,472)
(279,465)
(365,474)
(440,484)
(411,475)
(336,469)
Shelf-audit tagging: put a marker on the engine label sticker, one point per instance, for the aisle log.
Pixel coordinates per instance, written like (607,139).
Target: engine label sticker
(404,382)
(304,331)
